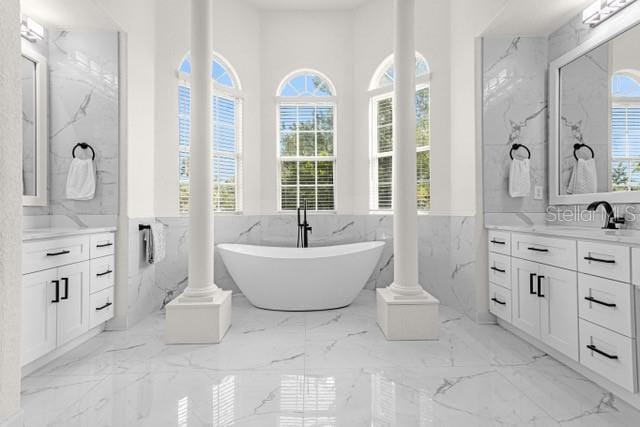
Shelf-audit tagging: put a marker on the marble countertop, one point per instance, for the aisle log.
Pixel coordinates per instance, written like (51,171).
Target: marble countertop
(628,236)
(52,232)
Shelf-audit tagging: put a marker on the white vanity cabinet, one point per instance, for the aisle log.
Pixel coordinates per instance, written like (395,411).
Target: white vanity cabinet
(60,284)
(545,304)
(573,295)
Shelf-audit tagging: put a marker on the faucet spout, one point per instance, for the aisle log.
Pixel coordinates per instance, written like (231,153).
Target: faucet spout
(303,227)
(610,221)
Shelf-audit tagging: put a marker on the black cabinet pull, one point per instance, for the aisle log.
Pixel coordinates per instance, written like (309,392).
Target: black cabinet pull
(499,270)
(597,350)
(531,276)
(606,261)
(540,295)
(498,242)
(537,249)
(104,245)
(498,301)
(104,306)
(58,253)
(606,304)
(104,274)
(57,298)
(66,288)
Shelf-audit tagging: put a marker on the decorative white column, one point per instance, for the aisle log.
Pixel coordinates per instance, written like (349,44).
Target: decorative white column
(202,313)
(405,310)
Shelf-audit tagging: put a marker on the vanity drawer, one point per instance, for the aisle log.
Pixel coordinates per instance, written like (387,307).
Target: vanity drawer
(500,269)
(635,266)
(604,260)
(609,354)
(606,303)
(44,254)
(101,307)
(546,250)
(500,242)
(102,244)
(102,273)
(500,302)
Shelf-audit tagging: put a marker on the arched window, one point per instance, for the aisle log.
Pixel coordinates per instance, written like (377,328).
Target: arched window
(381,93)
(306,141)
(226,138)
(625,131)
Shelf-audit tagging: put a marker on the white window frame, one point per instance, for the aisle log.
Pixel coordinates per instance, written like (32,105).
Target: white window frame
(237,95)
(331,101)
(376,95)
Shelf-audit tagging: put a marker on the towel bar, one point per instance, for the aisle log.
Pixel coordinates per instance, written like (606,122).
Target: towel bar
(517,146)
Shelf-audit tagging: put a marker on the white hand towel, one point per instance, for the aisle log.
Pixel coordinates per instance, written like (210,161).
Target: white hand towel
(155,243)
(519,178)
(81,180)
(584,178)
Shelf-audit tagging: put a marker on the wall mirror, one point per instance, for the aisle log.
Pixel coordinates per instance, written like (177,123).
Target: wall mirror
(33,68)
(595,117)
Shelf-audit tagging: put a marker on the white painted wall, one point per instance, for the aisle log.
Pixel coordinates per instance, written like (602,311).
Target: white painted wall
(236,35)
(10,208)
(347,46)
(316,40)
(137,19)
(373,42)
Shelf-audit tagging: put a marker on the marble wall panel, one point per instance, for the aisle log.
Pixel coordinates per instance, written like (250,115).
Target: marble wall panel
(83,107)
(446,253)
(514,111)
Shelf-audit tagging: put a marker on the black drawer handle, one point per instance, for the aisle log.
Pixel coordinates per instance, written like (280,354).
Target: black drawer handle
(538,249)
(531,276)
(498,301)
(540,294)
(597,350)
(58,253)
(104,274)
(606,304)
(606,261)
(498,242)
(499,270)
(66,288)
(104,306)
(57,298)
(104,245)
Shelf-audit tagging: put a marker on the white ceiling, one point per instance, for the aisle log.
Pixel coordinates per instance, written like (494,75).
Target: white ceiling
(63,14)
(534,17)
(306,4)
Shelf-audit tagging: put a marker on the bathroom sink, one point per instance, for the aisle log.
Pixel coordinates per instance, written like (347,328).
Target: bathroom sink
(594,232)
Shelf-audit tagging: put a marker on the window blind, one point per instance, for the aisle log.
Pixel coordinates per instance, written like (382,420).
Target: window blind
(225,150)
(625,147)
(382,159)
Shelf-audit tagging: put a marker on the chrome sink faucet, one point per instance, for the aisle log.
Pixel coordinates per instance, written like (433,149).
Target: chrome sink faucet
(610,221)
(303,227)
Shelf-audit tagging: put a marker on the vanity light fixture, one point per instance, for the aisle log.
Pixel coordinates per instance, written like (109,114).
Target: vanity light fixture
(601,10)
(31,30)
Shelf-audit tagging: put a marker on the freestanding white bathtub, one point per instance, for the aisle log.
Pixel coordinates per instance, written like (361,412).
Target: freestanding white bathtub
(296,279)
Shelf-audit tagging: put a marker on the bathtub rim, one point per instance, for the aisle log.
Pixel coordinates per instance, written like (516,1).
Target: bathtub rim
(293,253)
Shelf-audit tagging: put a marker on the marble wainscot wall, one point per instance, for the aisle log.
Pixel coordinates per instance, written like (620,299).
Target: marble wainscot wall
(446,254)
(83,106)
(514,111)
(141,276)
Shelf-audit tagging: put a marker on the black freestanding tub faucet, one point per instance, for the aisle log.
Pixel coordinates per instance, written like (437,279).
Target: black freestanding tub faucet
(303,227)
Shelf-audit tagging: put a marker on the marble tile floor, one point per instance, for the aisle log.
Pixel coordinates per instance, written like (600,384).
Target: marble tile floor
(331,368)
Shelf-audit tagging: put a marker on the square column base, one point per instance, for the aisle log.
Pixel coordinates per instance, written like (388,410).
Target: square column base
(199,322)
(407,318)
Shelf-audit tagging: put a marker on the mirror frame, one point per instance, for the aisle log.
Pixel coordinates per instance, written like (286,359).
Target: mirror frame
(607,31)
(40,199)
